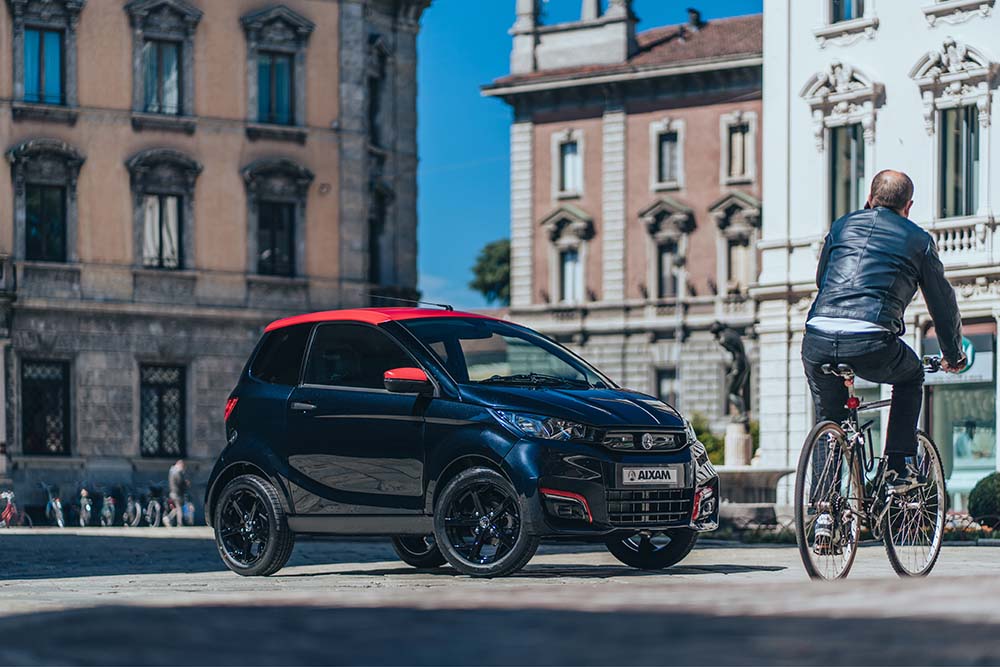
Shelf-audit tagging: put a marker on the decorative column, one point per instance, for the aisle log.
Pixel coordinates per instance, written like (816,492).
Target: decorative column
(521,218)
(613,197)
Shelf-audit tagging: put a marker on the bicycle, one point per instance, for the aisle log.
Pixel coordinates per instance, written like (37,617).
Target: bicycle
(178,516)
(53,507)
(154,507)
(837,495)
(12,515)
(108,510)
(86,507)
(132,514)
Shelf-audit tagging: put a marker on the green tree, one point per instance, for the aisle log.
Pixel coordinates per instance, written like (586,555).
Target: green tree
(492,272)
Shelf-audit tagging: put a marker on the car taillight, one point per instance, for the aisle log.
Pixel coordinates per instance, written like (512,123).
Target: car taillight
(230,406)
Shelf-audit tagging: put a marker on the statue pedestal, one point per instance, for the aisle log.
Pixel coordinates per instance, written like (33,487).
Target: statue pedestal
(739,445)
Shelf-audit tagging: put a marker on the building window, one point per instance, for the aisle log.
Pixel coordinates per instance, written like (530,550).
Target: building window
(847,170)
(161,232)
(666,273)
(276,49)
(45,173)
(277,190)
(161,64)
(44,57)
(276,239)
(45,415)
(570,277)
(666,385)
(163,184)
(738,266)
(667,163)
(846,10)
(161,411)
(569,230)
(739,136)
(43,66)
(666,156)
(274,97)
(738,217)
(960,162)
(570,168)
(46,223)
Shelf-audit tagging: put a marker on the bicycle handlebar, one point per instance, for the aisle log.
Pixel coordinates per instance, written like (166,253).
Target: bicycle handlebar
(932,364)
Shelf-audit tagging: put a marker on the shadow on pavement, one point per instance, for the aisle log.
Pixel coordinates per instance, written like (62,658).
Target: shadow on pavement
(259,635)
(58,556)
(560,570)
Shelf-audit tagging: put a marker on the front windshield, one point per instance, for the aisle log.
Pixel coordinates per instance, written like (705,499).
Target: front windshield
(492,352)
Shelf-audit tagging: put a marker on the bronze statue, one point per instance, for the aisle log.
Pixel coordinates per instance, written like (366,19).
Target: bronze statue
(737,379)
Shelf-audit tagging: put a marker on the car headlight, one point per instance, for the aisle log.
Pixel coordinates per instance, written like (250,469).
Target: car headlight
(697,448)
(692,437)
(548,428)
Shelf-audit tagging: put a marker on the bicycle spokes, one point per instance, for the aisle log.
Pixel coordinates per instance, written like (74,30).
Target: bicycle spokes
(914,521)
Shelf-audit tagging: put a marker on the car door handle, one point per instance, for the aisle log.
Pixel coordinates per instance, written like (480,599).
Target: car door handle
(306,407)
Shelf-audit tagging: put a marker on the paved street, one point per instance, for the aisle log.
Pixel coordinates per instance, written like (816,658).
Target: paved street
(159,596)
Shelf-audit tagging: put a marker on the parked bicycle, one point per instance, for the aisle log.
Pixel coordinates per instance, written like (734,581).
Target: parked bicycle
(840,490)
(154,506)
(133,511)
(53,507)
(13,516)
(179,516)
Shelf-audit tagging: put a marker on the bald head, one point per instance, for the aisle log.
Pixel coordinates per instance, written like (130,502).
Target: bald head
(892,189)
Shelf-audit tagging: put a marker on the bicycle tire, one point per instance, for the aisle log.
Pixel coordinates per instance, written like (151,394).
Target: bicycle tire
(154,513)
(894,551)
(802,530)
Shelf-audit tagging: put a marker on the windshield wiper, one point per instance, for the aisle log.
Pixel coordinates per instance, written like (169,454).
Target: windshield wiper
(536,379)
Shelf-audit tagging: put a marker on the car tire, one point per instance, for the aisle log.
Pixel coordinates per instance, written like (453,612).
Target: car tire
(468,498)
(261,548)
(682,541)
(420,552)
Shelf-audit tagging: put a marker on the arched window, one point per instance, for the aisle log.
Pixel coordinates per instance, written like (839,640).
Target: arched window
(45,173)
(163,183)
(277,190)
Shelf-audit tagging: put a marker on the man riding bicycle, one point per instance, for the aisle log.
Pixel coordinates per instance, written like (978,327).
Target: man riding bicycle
(872,263)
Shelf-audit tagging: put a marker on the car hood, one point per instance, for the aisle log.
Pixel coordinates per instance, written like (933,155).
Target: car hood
(596,407)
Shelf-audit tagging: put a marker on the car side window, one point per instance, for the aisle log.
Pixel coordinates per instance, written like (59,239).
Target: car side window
(352,355)
(280,357)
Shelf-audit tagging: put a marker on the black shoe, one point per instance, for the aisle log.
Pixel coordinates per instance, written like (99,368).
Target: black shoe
(898,484)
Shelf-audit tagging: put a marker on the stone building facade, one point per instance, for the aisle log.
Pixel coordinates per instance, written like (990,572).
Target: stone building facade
(635,192)
(178,173)
(852,88)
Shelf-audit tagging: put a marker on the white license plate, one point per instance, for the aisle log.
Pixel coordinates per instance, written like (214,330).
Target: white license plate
(651,475)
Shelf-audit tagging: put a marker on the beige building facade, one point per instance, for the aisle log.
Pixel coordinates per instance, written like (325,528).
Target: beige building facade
(635,201)
(177,174)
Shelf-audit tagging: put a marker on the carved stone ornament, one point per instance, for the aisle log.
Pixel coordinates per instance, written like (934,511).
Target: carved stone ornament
(738,216)
(954,75)
(277,27)
(957,11)
(277,178)
(47,12)
(45,161)
(162,170)
(667,221)
(164,18)
(842,95)
(568,226)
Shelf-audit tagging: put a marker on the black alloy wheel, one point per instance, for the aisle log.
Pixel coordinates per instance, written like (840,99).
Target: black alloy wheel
(478,525)
(421,552)
(653,550)
(251,529)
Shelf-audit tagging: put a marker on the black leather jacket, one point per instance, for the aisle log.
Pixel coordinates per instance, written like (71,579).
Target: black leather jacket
(872,263)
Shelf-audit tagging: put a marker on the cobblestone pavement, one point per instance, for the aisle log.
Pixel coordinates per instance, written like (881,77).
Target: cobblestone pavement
(163,597)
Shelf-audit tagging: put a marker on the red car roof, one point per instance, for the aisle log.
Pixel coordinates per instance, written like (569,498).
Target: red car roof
(370,316)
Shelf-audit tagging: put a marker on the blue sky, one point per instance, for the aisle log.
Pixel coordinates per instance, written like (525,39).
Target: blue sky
(464,172)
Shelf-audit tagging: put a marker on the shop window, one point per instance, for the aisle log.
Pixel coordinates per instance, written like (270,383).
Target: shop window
(960,163)
(161,411)
(847,170)
(45,413)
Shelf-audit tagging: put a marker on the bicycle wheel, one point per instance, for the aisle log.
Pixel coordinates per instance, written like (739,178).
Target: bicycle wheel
(828,493)
(914,522)
(24,521)
(154,512)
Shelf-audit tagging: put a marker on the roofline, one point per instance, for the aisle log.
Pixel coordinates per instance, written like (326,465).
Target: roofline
(374,316)
(627,75)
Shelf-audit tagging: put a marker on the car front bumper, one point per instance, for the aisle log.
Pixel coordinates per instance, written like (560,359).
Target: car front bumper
(579,490)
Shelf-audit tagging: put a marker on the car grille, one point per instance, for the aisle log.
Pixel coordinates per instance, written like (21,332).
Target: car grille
(655,441)
(652,507)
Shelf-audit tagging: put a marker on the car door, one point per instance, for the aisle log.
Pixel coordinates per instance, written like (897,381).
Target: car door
(358,448)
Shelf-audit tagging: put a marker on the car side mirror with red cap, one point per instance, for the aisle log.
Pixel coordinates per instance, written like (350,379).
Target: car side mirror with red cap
(408,381)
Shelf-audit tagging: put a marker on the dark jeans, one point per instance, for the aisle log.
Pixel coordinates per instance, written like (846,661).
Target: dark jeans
(881,358)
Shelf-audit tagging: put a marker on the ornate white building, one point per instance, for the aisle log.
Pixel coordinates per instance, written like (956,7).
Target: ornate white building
(852,87)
